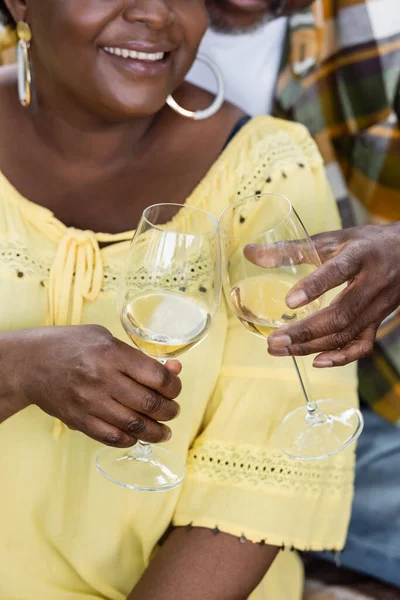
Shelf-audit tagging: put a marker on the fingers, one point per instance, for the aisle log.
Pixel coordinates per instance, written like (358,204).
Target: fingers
(355,350)
(133,424)
(284,253)
(143,400)
(105,433)
(329,242)
(333,273)
(332,327)
(148,371)
(174,366)
(352,312)
(341,347)
(296,252)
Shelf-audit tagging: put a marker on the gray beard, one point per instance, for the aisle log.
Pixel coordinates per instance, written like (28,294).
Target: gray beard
(220,28)
(216,24)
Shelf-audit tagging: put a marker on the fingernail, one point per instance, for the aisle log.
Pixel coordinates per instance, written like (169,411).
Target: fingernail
(168,436)
(278,352)
(279,340)
(296,299)
(322,362)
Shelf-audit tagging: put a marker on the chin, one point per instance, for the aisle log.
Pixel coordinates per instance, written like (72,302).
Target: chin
(119,106)
(122,111)
(121,100)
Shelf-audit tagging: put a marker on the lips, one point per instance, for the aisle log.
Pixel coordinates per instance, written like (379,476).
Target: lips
(139,64)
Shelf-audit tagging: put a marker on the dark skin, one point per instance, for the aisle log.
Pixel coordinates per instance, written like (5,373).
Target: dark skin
(367,259)
(90,175)
(96,147)
(205,566)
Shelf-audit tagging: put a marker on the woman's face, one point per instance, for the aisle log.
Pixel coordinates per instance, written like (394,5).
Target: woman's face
(117,58)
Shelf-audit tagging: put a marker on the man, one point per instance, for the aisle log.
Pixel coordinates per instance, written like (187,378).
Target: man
(336,69)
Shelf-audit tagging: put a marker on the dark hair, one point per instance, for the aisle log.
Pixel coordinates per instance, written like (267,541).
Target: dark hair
(5,15)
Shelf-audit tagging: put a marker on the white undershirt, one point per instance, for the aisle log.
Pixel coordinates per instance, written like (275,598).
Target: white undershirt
(249,63)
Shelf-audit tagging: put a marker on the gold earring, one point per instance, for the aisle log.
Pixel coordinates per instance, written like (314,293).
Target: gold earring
(8,37)
(24,35)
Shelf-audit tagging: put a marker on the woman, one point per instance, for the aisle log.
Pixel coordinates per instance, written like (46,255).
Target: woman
(94,148)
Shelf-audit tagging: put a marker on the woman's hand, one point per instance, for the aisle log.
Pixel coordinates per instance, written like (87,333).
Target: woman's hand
(92,382)
(368,259)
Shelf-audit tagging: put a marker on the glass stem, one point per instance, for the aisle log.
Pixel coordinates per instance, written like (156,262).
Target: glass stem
(145,448)
(305,384)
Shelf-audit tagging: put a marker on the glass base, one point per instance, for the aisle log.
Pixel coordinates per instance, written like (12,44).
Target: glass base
(332,428)
(144,467)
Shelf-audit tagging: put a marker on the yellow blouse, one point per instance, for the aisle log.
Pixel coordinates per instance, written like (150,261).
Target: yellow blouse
(67,533)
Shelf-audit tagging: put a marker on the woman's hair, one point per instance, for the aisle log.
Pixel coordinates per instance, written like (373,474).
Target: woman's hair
(5,15)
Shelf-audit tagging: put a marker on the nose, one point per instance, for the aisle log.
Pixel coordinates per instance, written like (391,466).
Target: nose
(156,14)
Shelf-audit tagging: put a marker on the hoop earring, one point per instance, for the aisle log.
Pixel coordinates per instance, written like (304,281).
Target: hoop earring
(24,35)
(200,115)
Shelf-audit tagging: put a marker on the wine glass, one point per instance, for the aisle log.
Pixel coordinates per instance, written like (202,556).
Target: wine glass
(168,297)
(268,223)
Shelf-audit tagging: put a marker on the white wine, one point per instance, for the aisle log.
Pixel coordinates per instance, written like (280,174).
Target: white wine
(259,303)
(165,324)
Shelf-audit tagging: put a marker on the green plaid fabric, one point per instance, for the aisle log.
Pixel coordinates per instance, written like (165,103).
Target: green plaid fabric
(341,78)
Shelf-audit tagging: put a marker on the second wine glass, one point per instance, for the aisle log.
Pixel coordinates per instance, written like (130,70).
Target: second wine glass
(169,295)
(267,226)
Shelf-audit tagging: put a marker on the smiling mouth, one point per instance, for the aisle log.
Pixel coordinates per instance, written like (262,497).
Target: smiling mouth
(133,55)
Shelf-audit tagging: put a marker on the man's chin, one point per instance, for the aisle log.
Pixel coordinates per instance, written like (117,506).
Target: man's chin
(225,19)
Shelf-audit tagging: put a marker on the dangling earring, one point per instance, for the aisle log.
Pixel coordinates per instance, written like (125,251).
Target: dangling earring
(24,35)
(199,115)
(8,37)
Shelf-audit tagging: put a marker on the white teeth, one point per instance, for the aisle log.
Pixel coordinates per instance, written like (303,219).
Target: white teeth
(125,53)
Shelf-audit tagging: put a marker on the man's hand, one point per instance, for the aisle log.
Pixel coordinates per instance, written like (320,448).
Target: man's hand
(368,259)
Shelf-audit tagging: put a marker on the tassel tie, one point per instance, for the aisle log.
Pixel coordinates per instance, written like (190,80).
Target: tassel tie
(76,275)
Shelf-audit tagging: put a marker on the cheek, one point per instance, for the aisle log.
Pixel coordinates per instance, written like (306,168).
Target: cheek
(69,27)
(64,43)
(194,21)
(194,24)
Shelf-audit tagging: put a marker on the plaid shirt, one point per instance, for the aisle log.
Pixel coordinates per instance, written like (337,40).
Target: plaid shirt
(341,78)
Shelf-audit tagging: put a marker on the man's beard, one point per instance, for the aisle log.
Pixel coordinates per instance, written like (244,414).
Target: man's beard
(224,24)
(220,26)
